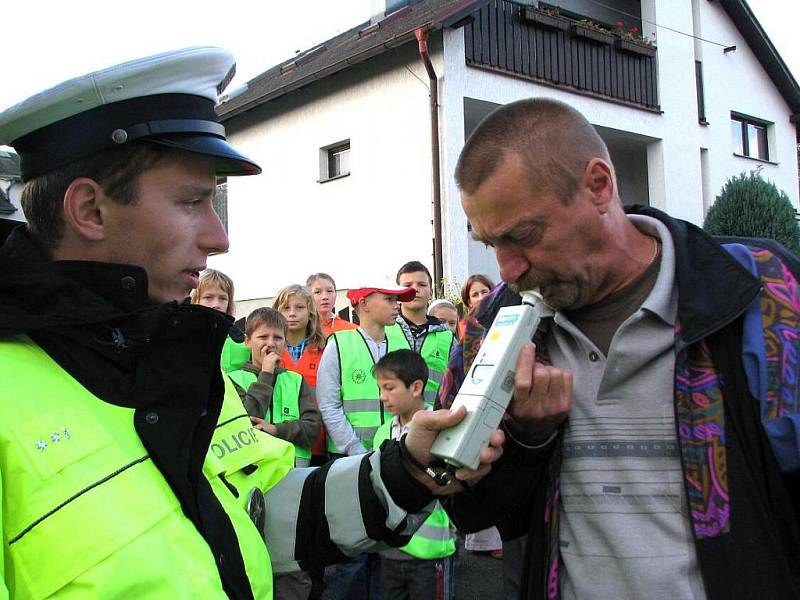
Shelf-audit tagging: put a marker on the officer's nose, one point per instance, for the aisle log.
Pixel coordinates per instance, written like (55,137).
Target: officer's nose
(213,237)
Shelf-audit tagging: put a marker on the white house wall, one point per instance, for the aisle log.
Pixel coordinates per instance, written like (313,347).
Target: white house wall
(283,225)
(736,82)
(733,82)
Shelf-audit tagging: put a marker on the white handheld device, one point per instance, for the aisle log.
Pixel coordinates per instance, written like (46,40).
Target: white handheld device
(488,386)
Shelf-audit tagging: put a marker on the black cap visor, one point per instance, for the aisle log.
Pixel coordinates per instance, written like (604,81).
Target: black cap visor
(228,161)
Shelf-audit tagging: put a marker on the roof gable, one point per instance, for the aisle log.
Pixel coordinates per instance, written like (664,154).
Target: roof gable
(346,49)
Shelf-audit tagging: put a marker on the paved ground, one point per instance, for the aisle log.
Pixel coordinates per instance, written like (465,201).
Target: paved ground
(478,577)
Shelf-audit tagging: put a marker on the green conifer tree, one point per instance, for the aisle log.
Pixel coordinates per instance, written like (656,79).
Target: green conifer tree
(750,206)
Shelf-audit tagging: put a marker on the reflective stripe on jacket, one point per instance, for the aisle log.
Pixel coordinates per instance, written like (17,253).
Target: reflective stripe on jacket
(434,538)
(85,510)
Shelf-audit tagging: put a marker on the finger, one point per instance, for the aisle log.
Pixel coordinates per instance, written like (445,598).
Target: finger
(498,438)
(542,377)
(439,419)
(469,475)
(556,390)
(566,392)
(523,376)
(490,454)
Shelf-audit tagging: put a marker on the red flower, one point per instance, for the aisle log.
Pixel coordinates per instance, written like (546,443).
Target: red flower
(620,24)
(634,30)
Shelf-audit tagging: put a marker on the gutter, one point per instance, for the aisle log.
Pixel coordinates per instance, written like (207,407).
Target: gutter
(438,271)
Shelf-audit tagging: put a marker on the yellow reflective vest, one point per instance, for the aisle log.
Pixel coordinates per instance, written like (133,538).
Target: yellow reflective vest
(285,398)
(359,388)
(86,513)
(434,538)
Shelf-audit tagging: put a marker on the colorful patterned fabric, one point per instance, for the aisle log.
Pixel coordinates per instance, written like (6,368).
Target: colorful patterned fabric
(772,350)
(700,421)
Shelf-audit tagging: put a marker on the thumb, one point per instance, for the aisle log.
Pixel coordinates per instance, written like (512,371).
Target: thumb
(439,419)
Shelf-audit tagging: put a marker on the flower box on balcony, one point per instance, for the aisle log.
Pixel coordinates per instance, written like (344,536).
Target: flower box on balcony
(546,20)
(635,48)
(592,34)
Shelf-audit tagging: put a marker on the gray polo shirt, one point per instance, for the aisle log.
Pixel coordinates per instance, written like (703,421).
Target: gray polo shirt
(624,529)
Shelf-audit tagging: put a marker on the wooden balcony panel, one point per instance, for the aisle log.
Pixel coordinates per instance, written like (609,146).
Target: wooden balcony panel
(501,38)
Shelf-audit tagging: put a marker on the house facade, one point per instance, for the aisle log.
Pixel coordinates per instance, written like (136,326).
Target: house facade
(685,94)
(10,190)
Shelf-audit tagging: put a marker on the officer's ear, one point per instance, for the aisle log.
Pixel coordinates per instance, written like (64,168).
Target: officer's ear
(84,209)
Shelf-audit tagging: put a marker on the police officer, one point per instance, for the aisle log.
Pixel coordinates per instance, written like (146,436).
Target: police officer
(128,467)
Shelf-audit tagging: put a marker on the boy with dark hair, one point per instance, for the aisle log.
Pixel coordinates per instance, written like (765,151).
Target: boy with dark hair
(422,569)
(418,331)
(279,399)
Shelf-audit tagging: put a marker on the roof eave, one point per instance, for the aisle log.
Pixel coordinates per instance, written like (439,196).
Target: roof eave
(764,50)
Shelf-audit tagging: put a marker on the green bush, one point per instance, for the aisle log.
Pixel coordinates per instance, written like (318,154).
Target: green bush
(750,206)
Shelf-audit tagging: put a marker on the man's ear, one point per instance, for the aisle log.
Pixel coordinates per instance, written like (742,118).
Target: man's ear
(84,209)
(598,179)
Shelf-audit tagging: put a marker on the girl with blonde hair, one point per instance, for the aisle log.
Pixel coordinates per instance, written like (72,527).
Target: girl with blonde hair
(305,342)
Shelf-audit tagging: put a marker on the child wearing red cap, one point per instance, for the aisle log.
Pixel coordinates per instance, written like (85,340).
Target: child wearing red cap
(349,402)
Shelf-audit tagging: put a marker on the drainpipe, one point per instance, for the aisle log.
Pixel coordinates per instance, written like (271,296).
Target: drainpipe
(438,270)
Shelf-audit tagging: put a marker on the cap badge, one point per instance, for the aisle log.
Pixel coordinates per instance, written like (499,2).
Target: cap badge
(119,136)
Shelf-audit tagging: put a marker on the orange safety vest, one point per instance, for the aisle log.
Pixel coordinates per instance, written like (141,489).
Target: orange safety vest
(335,324)
(307,367)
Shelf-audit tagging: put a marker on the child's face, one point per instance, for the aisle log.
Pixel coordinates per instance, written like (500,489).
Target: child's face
(324,296)
(265,339)
(419,281)
(296,313)
(396,397)
(446,315)
(214,297)
(477,291)
(380,308)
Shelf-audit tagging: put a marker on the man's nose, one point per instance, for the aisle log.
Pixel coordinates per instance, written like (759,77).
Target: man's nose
(512,264)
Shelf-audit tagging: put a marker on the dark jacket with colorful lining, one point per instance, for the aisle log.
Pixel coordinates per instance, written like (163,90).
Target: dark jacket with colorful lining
(736,415)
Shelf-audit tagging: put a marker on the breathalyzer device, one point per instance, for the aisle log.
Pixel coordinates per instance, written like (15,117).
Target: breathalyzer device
(489,384)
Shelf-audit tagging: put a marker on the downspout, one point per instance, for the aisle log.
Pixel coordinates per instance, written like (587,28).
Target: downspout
(438,270)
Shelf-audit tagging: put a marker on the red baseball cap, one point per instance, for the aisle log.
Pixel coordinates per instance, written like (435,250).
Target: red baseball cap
(403,294)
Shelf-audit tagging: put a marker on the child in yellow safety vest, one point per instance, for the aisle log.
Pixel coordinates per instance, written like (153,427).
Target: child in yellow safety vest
(277,400)
(423,568)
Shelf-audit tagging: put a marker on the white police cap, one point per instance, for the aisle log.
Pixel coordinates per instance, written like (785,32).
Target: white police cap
(166,99)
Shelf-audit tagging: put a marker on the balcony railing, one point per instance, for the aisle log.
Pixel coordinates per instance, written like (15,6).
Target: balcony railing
(557,51)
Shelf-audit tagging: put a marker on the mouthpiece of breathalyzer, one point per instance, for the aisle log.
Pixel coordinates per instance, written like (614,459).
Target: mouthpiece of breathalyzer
(489,385)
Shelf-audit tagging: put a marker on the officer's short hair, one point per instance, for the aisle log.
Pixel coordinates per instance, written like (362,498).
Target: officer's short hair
(406,365)
(116,170)
(265,316)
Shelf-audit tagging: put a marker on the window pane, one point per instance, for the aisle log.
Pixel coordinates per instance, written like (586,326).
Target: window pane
(339,160)
(344,161)
(757,141)
(220,203)
(736,137)
(333,164)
